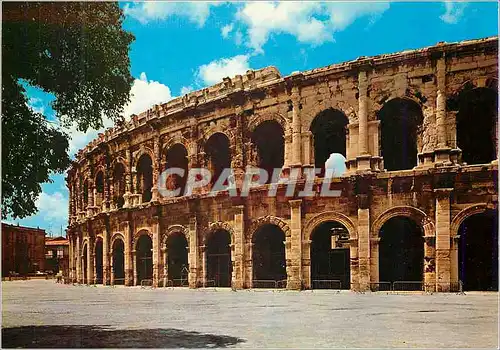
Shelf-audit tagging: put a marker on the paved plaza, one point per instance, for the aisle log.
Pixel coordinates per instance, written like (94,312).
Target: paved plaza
(41,313)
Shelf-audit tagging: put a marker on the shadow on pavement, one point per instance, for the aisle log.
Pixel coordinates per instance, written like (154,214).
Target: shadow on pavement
(107,337)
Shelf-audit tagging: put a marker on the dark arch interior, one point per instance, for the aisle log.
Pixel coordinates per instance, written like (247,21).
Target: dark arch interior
(219,265)
(145,177)
(269,139)
(476,125)
(330,256)
(119,185)
(85,194)
(144,258)
(478,252)
(269,254)
(400,120)
(177,158)
(177,259)
(401,251)
(329,132)
(98,261)
(217,150)
(99,186)
(118,262)
(84,263)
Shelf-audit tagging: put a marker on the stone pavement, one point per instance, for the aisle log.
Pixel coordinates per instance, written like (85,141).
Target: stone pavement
(88,316)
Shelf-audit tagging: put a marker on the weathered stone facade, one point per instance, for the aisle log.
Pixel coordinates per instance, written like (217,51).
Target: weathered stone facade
(114,202)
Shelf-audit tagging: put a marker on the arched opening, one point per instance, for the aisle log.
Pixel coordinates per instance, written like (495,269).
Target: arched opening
(85,194)
(477,124)
(330,256)
(85,265)
(98,261)
(145,177)
(478,251)
(99,189)
(329,134)
(119,185)
(219,155)
(268,137)
(176,157)
(269,254)
(177,259)
(400,122)
(401,253)
(144,258)
(118,262)
(219,265)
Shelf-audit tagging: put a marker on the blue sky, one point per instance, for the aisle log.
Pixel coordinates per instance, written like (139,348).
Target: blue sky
(182,47)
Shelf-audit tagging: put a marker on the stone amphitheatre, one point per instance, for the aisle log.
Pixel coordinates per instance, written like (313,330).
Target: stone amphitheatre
(418,204)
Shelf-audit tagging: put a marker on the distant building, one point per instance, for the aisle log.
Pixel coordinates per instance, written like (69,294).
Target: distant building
(23,249)
(57,255)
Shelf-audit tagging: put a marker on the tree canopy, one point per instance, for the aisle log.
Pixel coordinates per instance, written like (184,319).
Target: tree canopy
(78,51)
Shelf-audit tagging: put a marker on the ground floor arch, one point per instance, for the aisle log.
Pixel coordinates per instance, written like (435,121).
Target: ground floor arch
(401,253)
(99,261)
(118,262)
(144,259)
(330,256)
(219,266)
(177,265)
(478,251)
(268,254)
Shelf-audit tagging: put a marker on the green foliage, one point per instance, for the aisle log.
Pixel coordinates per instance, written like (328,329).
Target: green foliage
(77,51)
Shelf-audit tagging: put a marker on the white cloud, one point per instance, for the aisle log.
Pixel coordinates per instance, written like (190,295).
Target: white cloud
(143,95)
(226,30)
(186,90)
(310,22)
(453,11)
(336,161)
(196,11)
(53,207)
(214,71)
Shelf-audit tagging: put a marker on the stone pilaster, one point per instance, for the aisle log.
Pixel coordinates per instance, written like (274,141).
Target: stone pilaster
(156,252)
(239,247)
(296,129)
(442,151)
(129,268)
(430,263)
(193,255)
(156,168)
(364,258)
(105,258)
(443,264)
(294,253)
(90,261)
(363,157)
(203,251)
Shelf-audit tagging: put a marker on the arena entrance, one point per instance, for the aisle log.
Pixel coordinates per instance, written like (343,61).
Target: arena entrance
(401,254)
(98,262)
(219,265)
(118,262)
(269,264)
(268,137)
(176,157)
(478,252)
(400,121)
(329,132)
(145,177)
(177,259)
(330,256)
(144,259)
(476,123)
(217,148)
